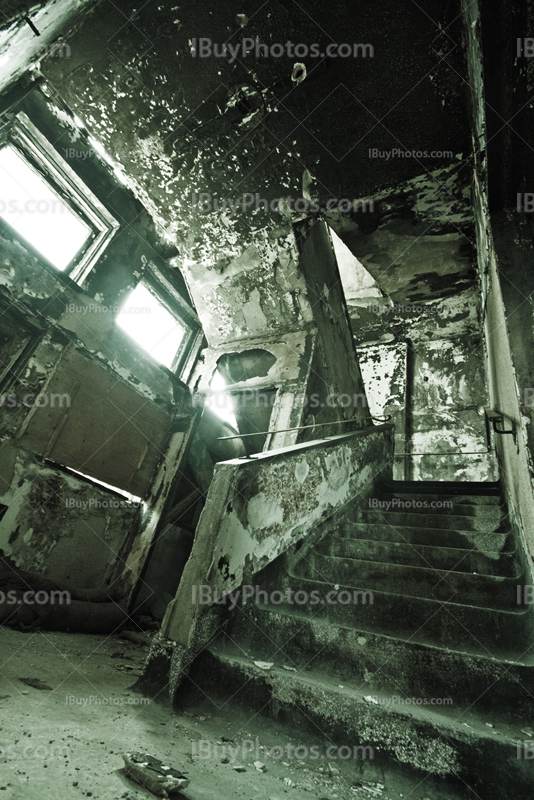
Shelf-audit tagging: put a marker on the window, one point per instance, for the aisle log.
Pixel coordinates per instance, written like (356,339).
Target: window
(159,320)
(149,323)
(30,206)
(47,205)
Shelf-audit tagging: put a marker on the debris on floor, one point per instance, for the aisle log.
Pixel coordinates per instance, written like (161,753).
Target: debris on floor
(36,683)
(154,775)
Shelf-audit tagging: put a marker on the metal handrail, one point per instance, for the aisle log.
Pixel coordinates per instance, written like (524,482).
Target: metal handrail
(448,453)
(303,427)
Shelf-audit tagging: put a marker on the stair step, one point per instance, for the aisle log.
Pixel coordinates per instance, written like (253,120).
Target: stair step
(487,591)
(383,663)
(434,741)
(430,497)
(493,631)
(420,504)
(471,488)
(485,543)
(451,522)
(465,560)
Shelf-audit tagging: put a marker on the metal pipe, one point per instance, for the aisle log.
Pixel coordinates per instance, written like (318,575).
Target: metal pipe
(302,427)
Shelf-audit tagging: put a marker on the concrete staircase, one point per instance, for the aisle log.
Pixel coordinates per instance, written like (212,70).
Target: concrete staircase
(396,626)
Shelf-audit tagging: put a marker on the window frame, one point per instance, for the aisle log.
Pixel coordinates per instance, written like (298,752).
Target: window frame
(20,133)
(169,297)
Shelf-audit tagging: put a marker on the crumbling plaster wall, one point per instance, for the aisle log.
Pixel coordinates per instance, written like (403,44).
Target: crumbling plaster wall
(415,239)
(424,364)
(449,393)
(61,526)
(315,359)
(259,292)
(384,375)
(515,456)
(381,319)
(40,530)
(289,375)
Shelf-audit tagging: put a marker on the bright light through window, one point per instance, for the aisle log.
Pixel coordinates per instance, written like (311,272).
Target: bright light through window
(149,323)
(221,404)
(30,206)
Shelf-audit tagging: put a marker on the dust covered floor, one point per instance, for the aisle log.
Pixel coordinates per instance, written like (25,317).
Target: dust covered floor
(68,712)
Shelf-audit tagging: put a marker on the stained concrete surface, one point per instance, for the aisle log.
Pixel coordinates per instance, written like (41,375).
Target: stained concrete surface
(53,746)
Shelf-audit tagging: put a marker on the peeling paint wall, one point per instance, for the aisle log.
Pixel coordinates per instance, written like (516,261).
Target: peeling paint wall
(260,292)
(288,376)
(384,375)
(416,239)
(449,393)
(61,526)
(315,355)
(381,319)
(435,392)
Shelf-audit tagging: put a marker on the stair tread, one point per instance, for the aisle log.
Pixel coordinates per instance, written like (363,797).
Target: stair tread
(491,487)
(421,504)
(403,596)
(468,500)
(451,717)
(427,528)
(413,519)
(433,556)
(522,659)
(422,620)
(462,588)
(462,551)
(493,578)
(387,532)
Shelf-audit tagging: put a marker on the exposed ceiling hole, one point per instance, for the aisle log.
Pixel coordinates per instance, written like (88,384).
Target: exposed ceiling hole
(235,367)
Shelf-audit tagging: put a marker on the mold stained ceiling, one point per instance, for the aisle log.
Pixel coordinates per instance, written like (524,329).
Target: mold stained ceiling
(178,124)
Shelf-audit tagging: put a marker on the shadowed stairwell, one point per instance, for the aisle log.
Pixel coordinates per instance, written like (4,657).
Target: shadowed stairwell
(401,627)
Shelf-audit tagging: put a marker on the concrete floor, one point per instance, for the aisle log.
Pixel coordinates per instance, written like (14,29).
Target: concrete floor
(59,738)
